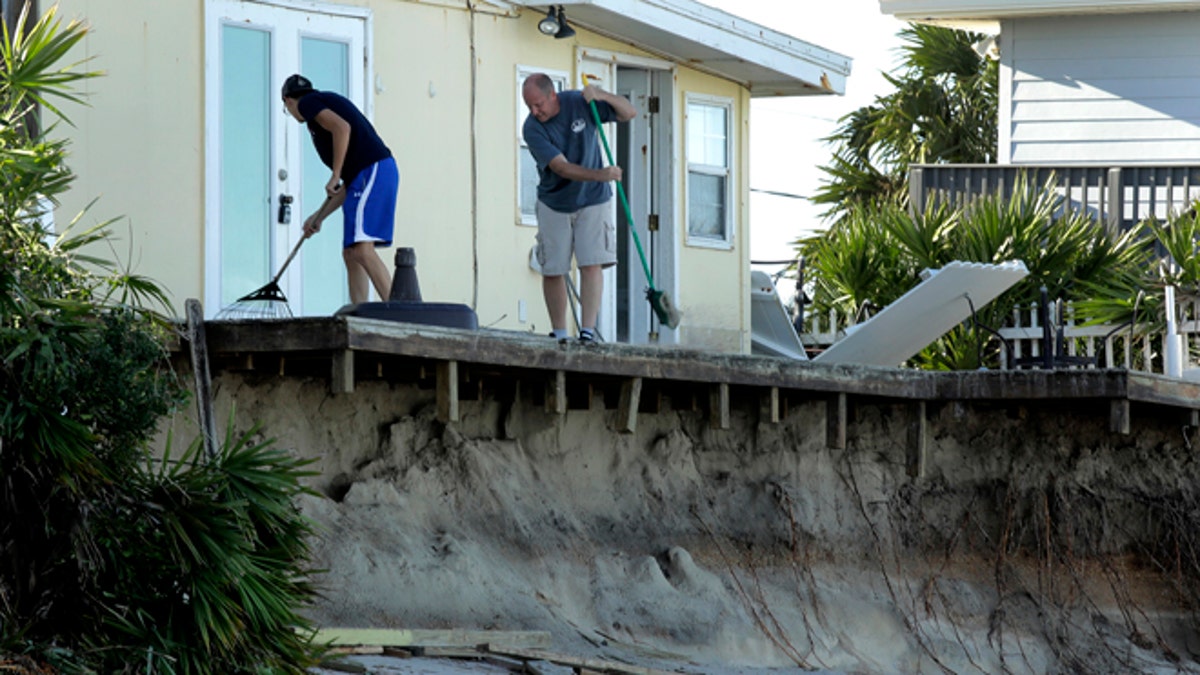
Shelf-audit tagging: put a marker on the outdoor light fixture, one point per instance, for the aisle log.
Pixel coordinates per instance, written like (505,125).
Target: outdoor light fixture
(549,25)
(555,23)
(564,29)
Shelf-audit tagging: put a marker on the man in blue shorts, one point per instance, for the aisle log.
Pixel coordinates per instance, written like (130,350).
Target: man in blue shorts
(363,183)
(574,209)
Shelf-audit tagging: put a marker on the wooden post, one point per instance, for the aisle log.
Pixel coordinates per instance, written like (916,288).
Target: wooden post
(203,379)
(595,397)
(917,441)
(342,381)
(769,409)
(1115,205)
(916,191)
(631,396)
(447,391)
(1119,417)
(556,393)
(835,422)
(718,408)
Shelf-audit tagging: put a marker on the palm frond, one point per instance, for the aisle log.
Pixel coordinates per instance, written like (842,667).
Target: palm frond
(30,56)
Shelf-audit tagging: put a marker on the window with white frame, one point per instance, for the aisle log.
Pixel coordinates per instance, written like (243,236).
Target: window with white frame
(708,164)
(527,173)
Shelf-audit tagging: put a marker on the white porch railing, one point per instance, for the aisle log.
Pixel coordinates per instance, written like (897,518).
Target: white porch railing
(1107,346)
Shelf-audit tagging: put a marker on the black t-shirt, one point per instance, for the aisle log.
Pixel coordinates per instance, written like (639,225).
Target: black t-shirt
(366,147)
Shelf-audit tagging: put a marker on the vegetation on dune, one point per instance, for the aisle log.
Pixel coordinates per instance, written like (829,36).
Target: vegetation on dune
(944,109)
(117,560)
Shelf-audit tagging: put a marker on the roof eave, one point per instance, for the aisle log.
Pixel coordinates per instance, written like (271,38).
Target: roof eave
(765,61)
(986,14)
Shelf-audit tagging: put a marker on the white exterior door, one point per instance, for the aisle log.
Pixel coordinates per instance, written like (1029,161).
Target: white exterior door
(635,154)
(643,150)
(257,157)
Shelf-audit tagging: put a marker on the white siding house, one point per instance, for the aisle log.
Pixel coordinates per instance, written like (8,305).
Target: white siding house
(1087,82)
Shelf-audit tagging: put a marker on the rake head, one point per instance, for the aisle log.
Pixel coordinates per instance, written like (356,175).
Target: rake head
(267,302)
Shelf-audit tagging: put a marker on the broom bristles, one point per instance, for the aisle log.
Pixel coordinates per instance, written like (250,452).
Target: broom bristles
(661,303)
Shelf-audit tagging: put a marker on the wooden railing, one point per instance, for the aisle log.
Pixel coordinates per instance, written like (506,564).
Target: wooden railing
(1119,196)
(1135,348)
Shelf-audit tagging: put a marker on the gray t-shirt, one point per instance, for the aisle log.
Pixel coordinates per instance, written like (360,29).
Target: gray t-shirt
(571,133)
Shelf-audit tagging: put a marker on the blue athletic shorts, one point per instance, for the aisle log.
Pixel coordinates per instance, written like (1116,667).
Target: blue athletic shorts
(369,212)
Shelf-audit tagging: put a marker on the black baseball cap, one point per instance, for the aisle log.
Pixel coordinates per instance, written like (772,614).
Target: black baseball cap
(296,86)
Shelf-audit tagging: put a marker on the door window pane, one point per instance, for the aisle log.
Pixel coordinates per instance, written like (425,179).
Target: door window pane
(327,64)
(247,107)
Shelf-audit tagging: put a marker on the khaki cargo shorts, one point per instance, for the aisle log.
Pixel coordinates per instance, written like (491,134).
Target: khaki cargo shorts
(589,233)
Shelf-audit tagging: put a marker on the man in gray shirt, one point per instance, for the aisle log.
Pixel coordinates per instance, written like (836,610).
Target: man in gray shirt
(574,209)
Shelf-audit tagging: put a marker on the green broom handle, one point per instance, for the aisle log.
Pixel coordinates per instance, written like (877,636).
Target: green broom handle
(621,191)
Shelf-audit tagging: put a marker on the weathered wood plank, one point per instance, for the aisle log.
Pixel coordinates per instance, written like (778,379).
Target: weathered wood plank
(198,345)
(369,650)
(392,637)
(556,393)
(300,334)
(1119,421)
(627,409)
(447,391)
(918,440)
(836,408)
(547,668)
(595,396)
(769,406)
(512,349)
(516,349)
(338,665)
(718,407)
(581,664)
(342,380)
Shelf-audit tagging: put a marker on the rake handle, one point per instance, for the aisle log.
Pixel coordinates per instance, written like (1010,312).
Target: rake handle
(295,249)
(620,190)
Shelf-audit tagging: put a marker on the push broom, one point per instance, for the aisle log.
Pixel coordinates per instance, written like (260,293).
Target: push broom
(659,301)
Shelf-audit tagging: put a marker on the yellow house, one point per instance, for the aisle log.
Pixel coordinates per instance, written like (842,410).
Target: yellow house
(186,137)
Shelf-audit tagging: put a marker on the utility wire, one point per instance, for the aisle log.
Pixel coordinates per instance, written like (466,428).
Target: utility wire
(789,195)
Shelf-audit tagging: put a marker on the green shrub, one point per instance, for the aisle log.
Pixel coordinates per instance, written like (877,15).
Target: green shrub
(115,560)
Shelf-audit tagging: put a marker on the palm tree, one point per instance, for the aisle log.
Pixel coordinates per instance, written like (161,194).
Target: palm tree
(943,109)
(115,559)
(876,253)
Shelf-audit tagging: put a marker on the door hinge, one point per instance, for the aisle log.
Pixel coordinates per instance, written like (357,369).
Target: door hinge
(652,104)
(652,222)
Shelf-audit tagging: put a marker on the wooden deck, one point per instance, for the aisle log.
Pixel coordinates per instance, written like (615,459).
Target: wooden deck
(634,379)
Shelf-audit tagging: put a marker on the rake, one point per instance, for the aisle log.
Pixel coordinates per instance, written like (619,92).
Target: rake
(267,302)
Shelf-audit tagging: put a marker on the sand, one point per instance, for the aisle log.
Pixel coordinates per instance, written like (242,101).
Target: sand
(752,549)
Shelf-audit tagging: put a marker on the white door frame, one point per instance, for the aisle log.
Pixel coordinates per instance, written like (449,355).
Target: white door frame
(286,179)
(663,255)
